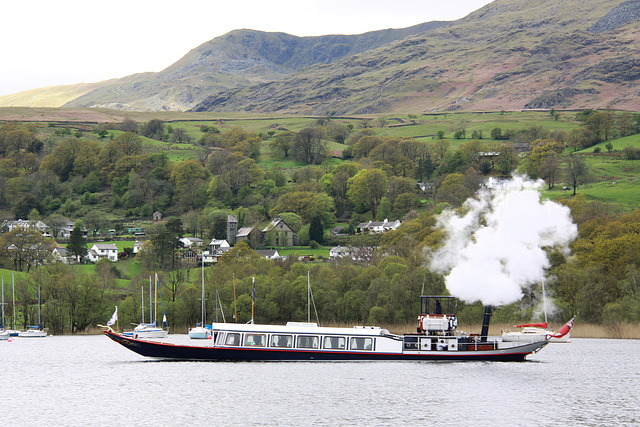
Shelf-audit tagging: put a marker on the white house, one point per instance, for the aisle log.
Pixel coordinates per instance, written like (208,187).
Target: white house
(269,253)
(61,255)
(378,226)
(103,250)
(216,244)
(189,242)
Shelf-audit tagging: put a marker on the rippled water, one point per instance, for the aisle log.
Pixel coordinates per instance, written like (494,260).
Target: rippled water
(91,380)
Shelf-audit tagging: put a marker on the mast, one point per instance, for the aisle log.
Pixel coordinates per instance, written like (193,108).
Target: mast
(235,303)
(155,306)
(253,297)
(13,291)
(544,301)
(142,301)
(308,298)
(38,307)
(203,307)
(2,302)
(150,302)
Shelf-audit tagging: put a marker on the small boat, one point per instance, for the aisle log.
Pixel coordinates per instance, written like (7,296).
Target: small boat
(530,332)
(150,330)
(4,335)
(33,332)
(436,339)
(200,332)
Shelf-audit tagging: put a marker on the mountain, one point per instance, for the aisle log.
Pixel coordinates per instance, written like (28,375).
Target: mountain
(510,54)
(237,59)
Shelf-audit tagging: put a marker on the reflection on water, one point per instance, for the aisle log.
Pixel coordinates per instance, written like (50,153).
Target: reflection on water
(94,381)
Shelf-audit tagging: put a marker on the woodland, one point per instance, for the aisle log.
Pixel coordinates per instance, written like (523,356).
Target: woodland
(315,173)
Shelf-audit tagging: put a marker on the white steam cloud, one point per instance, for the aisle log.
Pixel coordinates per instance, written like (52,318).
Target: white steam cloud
(495,249)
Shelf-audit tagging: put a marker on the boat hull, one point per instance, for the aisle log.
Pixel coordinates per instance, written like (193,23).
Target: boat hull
(216,353)
(32,333)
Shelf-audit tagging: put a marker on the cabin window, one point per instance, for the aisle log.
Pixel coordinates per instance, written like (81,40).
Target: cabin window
(305,341)
(255,340)
(232,339)
(361,343)
(285,341)
(334,343)
(220,338)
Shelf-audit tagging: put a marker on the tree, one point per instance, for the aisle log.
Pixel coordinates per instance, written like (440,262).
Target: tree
(282,143)
(549,170)
(127,144)
(600,124)
(577,172)
(309,145)
(338,132)
(77,243)
(25,248)
(154,128)
(56,223)
(368,188)
(316,232)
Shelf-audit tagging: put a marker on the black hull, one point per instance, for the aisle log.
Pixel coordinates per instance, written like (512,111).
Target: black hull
(188,352)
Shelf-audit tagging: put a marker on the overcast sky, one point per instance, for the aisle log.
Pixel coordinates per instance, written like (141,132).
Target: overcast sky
(47,43)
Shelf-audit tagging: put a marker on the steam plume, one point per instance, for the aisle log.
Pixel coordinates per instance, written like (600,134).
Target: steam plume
(496,247)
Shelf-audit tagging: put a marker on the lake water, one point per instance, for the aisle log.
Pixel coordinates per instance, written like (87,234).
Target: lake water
(91,380)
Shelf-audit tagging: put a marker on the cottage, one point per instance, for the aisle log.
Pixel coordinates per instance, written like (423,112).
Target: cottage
(189,242)
(378,226)
(269,254)
(103,250)
(61,255)
(278,233)
(252,235)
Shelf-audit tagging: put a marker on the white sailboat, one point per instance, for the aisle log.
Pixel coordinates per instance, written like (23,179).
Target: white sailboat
(12,332)
(34,331)
(532,332)
(4,335)
(150,330)
(200,332)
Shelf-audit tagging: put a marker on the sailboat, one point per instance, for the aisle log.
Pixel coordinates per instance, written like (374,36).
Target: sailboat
(531,332)
(12,332)
(34,331)
(4,335)
(150,330)
(200,332)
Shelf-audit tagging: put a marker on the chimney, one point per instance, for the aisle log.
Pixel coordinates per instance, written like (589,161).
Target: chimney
(485,323)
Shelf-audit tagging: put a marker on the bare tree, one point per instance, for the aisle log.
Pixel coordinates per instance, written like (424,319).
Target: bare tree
(577,172)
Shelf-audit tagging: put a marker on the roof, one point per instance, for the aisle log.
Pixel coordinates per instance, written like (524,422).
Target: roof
(106,246)
(244,231)
(274,223)
(269,253)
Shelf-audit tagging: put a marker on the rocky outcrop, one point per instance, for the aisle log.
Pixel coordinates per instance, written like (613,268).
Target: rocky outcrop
(620,15)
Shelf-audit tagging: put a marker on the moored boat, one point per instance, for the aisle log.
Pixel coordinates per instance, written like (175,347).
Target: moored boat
(33,332)
(150,330)
(437,339)
(531,332)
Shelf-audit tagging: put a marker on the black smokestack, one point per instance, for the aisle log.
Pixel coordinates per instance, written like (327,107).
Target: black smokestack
(485,323)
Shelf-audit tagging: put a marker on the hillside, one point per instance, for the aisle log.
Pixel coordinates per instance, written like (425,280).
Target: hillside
(237,59)
(510,54)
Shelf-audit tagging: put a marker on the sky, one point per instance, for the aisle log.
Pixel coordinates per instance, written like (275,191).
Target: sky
(48,43)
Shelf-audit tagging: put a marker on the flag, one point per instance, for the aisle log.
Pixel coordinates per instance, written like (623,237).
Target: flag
(164,318)
(253,291)
(564,330)
(114,318)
